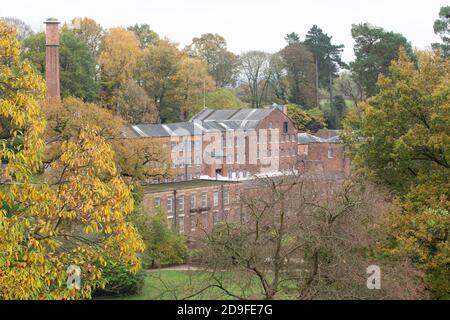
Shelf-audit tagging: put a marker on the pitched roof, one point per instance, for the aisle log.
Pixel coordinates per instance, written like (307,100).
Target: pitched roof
(233,118)
(306,138)
(165,130)
(207,120)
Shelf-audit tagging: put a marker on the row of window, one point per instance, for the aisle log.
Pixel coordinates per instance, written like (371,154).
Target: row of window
(193,201)
(200,219)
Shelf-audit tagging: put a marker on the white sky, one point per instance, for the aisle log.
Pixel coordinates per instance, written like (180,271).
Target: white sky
(245,24)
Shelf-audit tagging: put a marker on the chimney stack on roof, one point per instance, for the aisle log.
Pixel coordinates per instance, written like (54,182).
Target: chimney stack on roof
(52,59)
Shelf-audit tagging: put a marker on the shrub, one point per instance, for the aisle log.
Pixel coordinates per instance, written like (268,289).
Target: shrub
(120,281)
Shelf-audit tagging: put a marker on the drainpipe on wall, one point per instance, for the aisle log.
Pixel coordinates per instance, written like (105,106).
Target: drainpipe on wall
(175,222)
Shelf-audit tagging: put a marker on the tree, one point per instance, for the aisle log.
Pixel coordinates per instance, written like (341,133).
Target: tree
(156,72)
(347,87)
(89,31)
(442,29)
(292,38)
(193,82)
(279,83)
(77,69)
(78,74)
(256,68)
(302,239)
(400,138)
(23,30)
(327,58)
(223,64)
(310,121)
(75,216)
(299,64)
(336,113)
(136,159)
(134,105)
(118,60)
(375,48)
(146,36)
(163,245)
(220,99)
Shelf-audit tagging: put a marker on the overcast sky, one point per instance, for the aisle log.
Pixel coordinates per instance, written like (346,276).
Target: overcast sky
(245,24)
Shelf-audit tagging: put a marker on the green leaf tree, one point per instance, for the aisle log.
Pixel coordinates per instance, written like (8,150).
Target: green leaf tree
(78,75)
(442,29)
(375,48)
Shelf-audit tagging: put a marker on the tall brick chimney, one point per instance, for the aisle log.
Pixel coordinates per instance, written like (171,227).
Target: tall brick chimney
(52,58)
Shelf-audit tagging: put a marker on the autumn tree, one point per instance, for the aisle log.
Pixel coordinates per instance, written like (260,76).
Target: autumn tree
(255,67)
(76,215)
(375,48)
(223,64)
(220,99)
(309,120)
(133,104)
(89,31)
(400,138)
(193,82)
(136,159)
(299,64)
(23,30)
(118,60)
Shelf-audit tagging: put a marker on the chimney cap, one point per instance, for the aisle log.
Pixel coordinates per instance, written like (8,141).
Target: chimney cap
(51,21)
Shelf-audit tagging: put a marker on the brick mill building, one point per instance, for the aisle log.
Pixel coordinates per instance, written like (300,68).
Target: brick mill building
(217,155)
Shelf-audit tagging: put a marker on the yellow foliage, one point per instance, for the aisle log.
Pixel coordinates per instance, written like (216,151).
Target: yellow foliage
(78,216)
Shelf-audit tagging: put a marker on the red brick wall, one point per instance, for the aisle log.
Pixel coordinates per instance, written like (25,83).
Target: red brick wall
(52,61)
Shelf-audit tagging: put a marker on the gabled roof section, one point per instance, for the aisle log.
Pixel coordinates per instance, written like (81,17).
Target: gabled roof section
(233,118)
(164,130)
(306,138)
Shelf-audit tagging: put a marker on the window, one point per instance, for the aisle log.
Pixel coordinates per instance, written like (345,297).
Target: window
(193,200)
(170,204)
(189,177)
(226,212)
(215,217)
(226,198)
(204,200)
(205,219)
(180,203)
(216,199)
(285,127)
(181,225)
(330,153)
(197,160)
(193,222)
(157,202)
(230,159)
(270,125)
